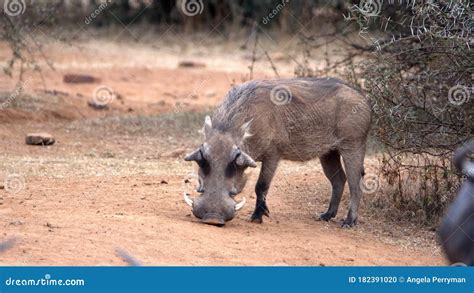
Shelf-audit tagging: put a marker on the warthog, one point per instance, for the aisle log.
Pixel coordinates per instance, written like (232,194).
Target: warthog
(457,227)
(270,120)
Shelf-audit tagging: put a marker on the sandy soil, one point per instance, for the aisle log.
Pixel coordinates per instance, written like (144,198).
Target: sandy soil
(114,178)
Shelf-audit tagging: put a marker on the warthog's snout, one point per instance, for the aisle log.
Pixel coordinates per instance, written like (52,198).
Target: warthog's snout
(214,210)
(213,219)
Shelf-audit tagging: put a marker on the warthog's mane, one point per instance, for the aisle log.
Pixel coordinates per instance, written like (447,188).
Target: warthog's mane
(254,98)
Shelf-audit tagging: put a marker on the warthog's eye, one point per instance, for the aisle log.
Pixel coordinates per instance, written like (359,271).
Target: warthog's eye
(204,165)
(232,166)
(231,169)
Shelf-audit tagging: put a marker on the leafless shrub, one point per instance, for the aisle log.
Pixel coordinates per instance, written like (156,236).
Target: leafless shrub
(418,76)
(20,33)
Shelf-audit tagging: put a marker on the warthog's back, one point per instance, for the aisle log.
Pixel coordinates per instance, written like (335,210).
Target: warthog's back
(299,118)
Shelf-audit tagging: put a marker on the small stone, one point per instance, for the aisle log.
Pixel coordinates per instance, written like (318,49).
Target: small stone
(108,155)
(79,78)
(210,94)
(98,106)
(41,138)
(16,223)
(191,64)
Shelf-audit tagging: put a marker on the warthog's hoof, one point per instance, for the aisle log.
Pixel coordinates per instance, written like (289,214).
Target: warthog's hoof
(349,223)
(326,216)
(256,220)
(259,213)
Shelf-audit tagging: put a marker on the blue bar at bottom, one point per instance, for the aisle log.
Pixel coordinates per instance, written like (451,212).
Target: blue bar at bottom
(237,279)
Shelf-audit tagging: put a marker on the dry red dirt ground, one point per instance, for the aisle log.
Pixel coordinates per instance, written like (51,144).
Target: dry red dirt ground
(114,178)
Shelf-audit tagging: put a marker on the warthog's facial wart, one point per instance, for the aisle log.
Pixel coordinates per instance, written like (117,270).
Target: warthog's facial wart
(221,175)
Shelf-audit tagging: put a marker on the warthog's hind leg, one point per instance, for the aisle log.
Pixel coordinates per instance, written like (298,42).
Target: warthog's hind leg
(354,166)
(331,163)
(263,184)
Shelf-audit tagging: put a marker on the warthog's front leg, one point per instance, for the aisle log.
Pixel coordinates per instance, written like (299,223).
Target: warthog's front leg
(263,184)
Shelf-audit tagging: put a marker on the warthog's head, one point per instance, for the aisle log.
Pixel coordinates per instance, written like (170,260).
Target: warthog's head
(221,174)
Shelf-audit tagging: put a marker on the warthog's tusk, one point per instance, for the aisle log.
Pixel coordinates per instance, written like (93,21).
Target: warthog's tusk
(240,204)
(188,199)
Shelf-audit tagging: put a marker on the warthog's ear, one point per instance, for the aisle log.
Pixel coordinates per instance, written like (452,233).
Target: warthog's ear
(194,156)
(206,129)
(245,160)
(245,130)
